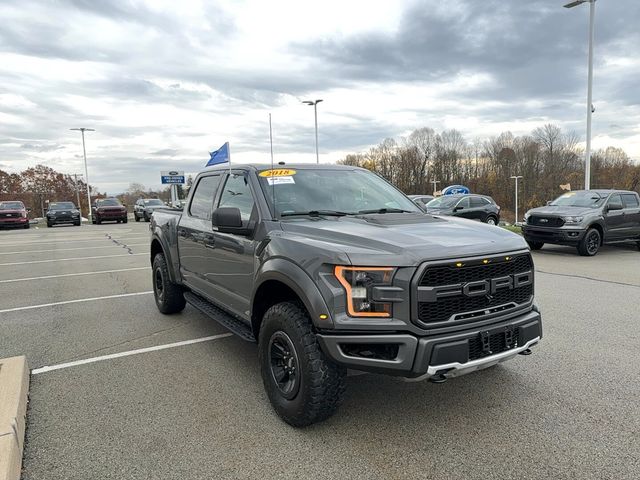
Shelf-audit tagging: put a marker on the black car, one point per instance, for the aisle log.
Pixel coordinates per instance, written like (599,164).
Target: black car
(63,213)
(585,219)
(144,207)
(473,207)
(421,200)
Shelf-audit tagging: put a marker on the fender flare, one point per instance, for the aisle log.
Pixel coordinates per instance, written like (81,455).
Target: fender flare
(300,282)
(167,254)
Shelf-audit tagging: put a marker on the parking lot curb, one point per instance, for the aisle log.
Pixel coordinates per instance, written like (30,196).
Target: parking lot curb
(14,389)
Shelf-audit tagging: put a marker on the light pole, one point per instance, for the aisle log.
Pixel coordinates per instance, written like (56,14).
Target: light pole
(76,175)
(86,171)
(516,177)
(587,154)
(315,112)
(435,182)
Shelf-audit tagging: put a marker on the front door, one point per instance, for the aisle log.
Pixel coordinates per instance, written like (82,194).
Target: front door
(231,269)
(195,233)
(614,218)
(463,208)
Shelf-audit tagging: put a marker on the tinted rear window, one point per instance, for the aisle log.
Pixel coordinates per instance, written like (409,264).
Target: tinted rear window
(630,200)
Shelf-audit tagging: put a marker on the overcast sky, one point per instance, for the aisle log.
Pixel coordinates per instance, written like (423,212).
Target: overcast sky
(164,82)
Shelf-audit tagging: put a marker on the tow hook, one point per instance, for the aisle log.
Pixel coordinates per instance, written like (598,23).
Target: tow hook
(526,352)
(438,379)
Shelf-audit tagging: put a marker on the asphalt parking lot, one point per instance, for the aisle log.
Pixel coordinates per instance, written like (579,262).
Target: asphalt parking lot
(142,407)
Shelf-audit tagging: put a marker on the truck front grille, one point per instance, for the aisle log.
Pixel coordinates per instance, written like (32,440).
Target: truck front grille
(541,221)
(449,293)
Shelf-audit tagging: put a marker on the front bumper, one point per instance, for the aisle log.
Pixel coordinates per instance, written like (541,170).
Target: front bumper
(13,221)
(447,355)
(561,236)
(63,219)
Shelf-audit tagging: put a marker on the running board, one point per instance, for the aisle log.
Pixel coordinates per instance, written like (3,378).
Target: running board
(229,322)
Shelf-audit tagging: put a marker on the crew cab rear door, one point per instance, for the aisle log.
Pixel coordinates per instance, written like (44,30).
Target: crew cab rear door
(631,205)
(195,233)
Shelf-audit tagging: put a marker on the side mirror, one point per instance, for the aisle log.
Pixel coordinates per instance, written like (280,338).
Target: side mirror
(229,220)
(549,202)
(28,209)
(458,208)
(614,206)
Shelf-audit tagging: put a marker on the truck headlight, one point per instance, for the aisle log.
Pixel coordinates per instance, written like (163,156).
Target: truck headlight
(527,215)
(572,219)
(358,283)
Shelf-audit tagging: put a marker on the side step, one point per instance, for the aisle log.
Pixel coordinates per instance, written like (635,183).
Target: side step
(223,318)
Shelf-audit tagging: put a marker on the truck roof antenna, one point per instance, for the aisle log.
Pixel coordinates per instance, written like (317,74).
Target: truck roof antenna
(273,183)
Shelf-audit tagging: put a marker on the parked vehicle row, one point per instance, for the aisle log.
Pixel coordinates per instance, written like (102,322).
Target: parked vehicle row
(474,207)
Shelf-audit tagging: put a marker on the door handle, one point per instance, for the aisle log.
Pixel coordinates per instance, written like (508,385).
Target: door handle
(209,241)
(182,232)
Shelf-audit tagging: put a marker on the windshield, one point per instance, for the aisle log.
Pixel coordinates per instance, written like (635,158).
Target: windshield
(325,191)
(153,201)
(62,206)
(579,199)
(11,206)
(109,202)
(443,202)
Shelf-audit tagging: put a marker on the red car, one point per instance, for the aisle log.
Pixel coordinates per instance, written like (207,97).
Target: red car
(13,214)
(108,210)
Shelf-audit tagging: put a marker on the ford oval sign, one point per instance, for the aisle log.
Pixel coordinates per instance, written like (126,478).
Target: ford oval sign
(174,173)
(455,189)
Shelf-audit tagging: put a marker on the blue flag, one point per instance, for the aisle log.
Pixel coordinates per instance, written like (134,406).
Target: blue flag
(219,156)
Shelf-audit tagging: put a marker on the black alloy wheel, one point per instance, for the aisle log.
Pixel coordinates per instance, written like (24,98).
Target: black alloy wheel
(590,243)
(284,364)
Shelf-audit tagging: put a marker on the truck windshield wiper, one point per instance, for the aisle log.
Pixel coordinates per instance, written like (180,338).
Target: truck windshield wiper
(385,210)
(316,213)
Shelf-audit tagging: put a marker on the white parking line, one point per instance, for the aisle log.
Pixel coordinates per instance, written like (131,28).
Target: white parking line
(73,249)
(60,366)
(73,274)
(81,300)
(100,239)
(69,259)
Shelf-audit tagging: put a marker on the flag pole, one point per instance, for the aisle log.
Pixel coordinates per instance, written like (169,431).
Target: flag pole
(229,153)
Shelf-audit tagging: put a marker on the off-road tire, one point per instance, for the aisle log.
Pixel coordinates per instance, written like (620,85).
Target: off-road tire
(170,297)
(321,383)
(147,218)
(49,224)
(77,224)
(136,217)
(535,245)
(27,226)
(590,243)
(125,220)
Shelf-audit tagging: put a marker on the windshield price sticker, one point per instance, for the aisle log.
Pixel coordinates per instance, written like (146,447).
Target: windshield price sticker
(279,172)
(280,180)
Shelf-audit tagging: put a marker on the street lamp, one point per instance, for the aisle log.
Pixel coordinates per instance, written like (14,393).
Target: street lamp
(587,160)
(86,171)
(315,112)
(516,177)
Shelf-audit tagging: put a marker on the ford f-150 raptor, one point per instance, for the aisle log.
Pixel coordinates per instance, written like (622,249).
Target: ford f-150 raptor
(331,267)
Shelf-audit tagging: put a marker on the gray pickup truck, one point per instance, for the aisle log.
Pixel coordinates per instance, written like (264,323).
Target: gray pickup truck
(585,219)
(331,267)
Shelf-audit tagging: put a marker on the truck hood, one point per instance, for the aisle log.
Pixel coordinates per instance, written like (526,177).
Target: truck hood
(561,210)
(403,239)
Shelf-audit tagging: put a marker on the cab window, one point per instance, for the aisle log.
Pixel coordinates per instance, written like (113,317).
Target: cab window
(202,201)
(630,200)
(615,200)
(237,194)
